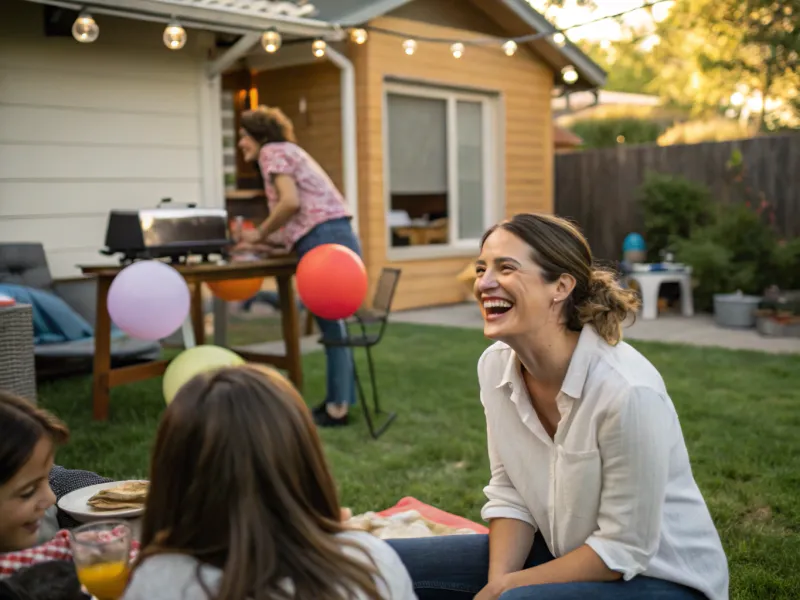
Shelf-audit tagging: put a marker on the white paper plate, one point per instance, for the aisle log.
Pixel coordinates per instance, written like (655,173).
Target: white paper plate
(75,505)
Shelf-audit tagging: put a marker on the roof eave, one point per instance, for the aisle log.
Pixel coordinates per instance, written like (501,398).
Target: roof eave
(590,71)
(211,19)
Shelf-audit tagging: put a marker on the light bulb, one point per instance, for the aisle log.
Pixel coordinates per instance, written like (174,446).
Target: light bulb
(174,36)
(510,48)
(84,29)
(271,41)
(409,47)
(569,74)
(457,49)
(359,36)
(318,48)
(560,39)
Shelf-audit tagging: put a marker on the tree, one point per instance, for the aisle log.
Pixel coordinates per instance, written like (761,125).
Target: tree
(711,51)
(626,63)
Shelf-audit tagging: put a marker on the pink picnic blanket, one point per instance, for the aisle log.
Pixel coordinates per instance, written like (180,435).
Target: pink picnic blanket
(433,514)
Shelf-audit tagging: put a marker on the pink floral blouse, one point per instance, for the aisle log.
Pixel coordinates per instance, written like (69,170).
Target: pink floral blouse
(320,201)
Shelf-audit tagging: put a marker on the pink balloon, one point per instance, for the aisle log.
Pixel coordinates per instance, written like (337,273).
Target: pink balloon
(148,300)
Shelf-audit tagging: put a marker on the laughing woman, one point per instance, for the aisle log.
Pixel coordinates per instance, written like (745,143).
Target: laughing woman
(591,492)
(305,211)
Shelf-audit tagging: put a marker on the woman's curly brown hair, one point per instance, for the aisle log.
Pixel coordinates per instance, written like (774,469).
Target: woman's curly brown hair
(268,124)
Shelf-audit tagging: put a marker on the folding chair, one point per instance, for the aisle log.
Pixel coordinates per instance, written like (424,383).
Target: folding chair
(377,314)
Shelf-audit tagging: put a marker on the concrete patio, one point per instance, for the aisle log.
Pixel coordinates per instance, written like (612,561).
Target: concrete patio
(699,330)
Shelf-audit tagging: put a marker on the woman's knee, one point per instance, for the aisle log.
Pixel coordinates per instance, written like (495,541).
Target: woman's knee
(442,557)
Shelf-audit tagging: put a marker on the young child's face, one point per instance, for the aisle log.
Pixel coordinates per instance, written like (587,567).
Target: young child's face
(25,498)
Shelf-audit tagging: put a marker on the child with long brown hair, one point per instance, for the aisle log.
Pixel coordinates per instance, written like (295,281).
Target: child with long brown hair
(242,505)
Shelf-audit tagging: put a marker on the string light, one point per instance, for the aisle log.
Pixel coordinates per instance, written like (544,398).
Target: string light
(271,41)
(569,74)
(510,48)
(319,47)
(409,47)
(560,39)
(457,49)
(84,29)
(174,36)
(359,36)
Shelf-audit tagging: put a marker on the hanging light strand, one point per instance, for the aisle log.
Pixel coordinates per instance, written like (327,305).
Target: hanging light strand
(558,35)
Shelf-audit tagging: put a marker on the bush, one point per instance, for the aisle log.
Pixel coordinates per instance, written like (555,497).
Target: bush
(603,133)
(712,130)
(711,268)
(673,208)
(738,251)
(786,261)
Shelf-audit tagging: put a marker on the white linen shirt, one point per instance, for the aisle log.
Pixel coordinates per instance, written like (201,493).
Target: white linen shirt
(616,476)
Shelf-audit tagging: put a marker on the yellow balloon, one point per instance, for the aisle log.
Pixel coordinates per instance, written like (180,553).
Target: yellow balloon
(194,361)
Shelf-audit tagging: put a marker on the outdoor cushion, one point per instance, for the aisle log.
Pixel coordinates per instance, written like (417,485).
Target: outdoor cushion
(433,514)
(53,319)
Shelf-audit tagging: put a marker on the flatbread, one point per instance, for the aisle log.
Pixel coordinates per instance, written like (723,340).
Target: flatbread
(109,505)
(131,494)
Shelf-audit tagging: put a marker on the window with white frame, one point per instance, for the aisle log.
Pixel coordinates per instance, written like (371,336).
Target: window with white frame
(440,166)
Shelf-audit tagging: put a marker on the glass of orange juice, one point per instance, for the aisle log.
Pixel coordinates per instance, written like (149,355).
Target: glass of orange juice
(101,552)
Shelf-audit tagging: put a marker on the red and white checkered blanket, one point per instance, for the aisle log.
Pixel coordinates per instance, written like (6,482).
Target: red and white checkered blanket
(56,549)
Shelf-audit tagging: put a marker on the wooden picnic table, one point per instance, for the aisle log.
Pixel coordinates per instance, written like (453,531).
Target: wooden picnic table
(283,269)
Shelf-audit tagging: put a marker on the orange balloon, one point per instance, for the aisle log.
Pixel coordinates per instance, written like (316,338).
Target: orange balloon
(332,281)
(236,290)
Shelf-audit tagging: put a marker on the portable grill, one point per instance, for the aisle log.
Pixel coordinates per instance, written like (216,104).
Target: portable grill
(167,231)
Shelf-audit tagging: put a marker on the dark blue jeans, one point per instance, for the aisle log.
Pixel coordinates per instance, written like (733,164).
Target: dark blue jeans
(456,568)
(339,361)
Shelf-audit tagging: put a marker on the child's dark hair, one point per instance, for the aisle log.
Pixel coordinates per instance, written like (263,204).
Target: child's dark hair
(22,425)
(54,580)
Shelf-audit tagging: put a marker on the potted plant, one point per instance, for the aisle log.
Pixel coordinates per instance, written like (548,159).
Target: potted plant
(778,315)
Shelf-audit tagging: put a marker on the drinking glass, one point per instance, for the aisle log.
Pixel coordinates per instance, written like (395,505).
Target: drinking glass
(101,552)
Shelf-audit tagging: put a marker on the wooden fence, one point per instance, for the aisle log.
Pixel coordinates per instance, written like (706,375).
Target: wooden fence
(599,189)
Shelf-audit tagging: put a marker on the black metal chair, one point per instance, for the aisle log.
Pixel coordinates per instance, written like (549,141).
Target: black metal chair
(375,315)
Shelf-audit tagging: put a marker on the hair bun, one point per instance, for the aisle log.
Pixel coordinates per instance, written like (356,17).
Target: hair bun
(608,305)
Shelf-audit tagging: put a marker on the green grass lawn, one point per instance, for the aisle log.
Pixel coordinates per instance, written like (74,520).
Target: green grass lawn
(740,413)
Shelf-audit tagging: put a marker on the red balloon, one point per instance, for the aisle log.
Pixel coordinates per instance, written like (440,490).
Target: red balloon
(332,281)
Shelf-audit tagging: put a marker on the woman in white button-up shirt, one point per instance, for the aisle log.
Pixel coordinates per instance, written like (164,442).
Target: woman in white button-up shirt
(591,492)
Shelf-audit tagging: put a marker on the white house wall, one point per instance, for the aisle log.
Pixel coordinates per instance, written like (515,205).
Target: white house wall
(86,128)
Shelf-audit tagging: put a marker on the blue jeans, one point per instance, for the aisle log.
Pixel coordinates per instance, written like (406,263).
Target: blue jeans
(270,297)
(339,361)
(456,568)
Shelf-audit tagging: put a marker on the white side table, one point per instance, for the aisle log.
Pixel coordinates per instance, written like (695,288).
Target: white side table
(650,283)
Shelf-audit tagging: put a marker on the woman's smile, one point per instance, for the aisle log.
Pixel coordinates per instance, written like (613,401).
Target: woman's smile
(495,307)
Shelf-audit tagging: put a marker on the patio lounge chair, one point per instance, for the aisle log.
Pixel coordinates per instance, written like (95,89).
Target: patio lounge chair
(375,315)
(26,264)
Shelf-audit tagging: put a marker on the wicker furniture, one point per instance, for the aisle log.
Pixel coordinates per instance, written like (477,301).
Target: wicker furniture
(17,362)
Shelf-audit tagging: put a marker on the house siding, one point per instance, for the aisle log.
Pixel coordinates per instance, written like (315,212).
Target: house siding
(87,128)
(523,84)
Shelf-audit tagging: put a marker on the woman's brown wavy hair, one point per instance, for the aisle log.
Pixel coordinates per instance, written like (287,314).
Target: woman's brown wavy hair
(239,481)
(268,124)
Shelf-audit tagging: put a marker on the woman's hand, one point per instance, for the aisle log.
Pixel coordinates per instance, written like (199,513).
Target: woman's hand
(494,589)
(262,249)
(250,236)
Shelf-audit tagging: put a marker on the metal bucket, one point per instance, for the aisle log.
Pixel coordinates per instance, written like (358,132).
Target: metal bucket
(735,310)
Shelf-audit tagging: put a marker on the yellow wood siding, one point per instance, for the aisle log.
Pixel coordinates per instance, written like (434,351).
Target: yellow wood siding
(524,87)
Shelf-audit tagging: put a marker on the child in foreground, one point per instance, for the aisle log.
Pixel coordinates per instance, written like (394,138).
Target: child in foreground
(242,505)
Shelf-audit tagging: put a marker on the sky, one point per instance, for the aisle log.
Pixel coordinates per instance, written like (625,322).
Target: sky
(609,29)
